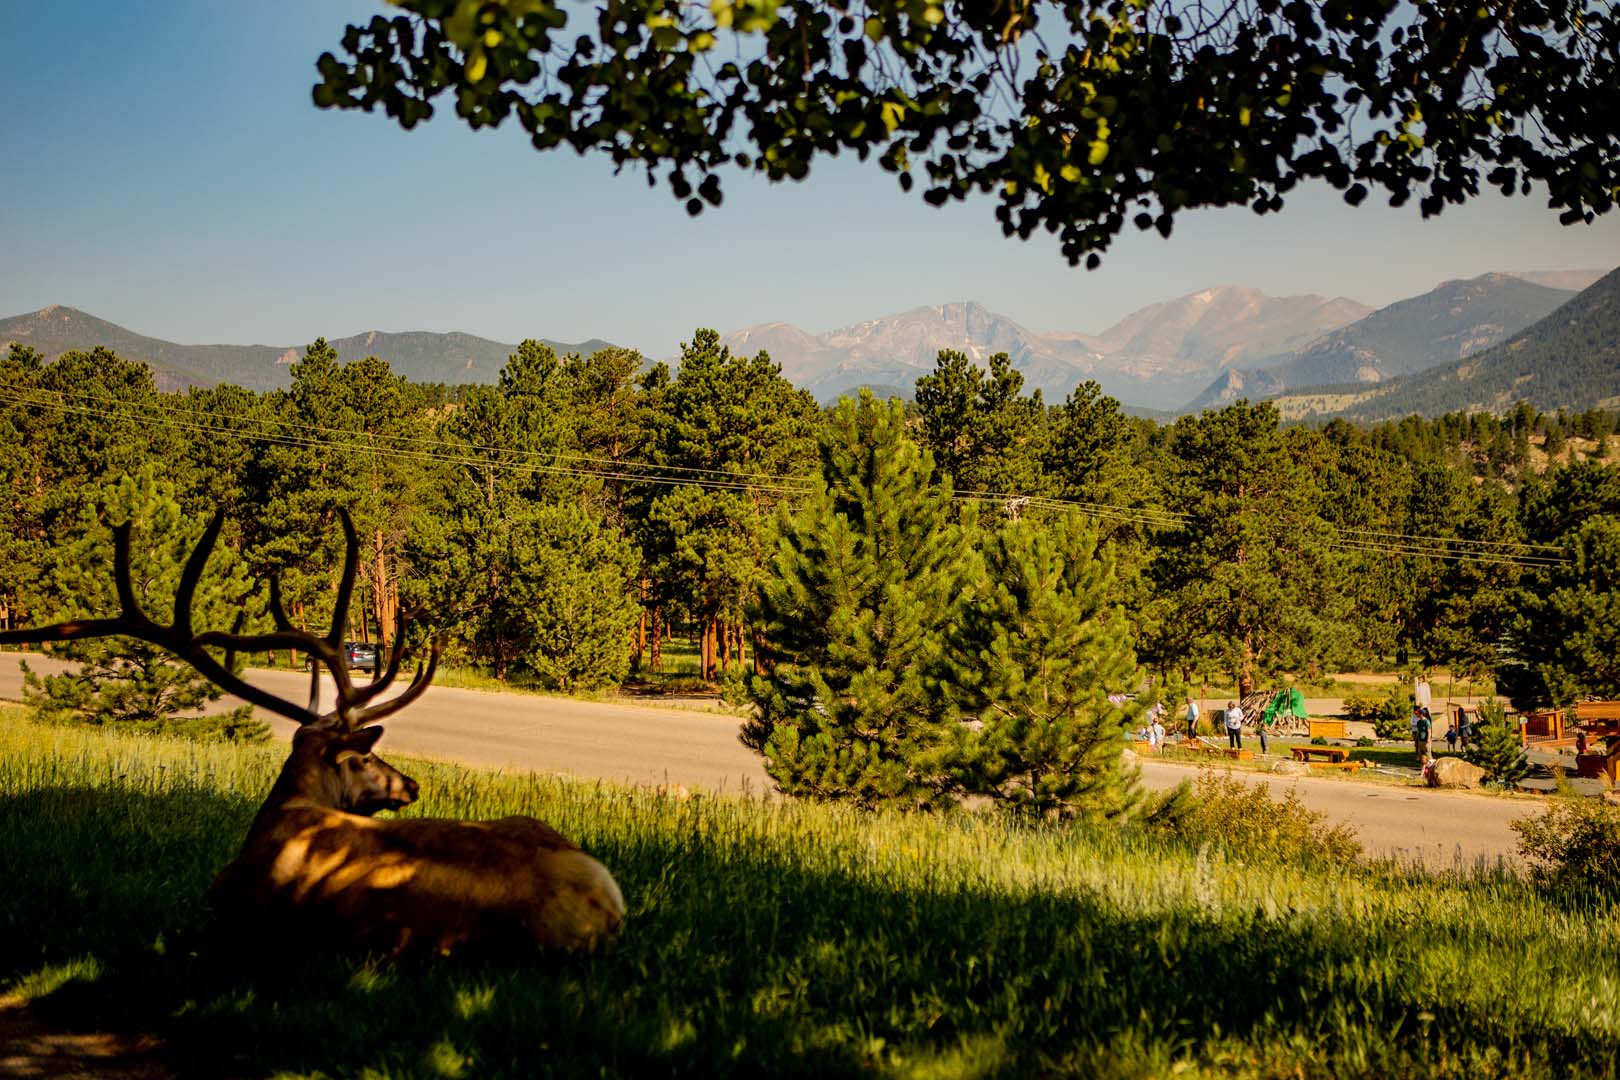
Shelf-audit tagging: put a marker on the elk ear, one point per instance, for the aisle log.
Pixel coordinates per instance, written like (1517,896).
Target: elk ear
(363,740)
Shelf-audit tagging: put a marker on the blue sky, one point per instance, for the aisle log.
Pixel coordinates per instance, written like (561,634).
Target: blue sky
(165,169)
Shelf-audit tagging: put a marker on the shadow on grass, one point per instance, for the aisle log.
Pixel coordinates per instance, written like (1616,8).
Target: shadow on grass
(735,962)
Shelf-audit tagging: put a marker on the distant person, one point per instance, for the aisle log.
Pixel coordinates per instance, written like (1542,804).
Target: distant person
(1192,718)
(1234,725)
(1261,723)
(1158,732)
(1420,735)
(1580,741)
(1451,737)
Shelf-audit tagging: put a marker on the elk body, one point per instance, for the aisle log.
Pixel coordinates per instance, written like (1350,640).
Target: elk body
(316,865)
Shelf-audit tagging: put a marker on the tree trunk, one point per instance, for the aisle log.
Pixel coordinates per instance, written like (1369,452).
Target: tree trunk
(1246,671)
(657,660)
(640,642)
(384,603)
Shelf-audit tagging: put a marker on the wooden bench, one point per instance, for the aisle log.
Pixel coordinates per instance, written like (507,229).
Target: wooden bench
(1211,748)
(1332,755)
(1347,766)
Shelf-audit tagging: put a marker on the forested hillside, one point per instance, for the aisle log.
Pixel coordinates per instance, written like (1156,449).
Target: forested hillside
(418,355)
(565,520)
(1568,360)
(1454,320)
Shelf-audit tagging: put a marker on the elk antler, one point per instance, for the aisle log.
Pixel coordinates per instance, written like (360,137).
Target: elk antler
(352,710)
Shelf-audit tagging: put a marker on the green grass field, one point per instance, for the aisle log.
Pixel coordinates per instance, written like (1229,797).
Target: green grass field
(790,939)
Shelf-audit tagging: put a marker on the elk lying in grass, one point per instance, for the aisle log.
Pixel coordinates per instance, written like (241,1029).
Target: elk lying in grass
(315,863)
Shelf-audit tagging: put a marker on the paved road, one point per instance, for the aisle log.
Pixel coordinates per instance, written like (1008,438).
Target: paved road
(647,745)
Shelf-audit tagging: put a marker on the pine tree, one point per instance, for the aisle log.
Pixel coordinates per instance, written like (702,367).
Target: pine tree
(572,578)
(1496,746)
(469,546)
(851,615)
(1566,631)
(1247,579)
(125,682)
(1031,661)
(726,419)
(984,434)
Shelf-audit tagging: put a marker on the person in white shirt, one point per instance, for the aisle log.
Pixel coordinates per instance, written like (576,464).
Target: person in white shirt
(1234,725)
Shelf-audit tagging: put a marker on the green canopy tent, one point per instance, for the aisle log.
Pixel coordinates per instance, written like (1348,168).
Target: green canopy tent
(1286,711)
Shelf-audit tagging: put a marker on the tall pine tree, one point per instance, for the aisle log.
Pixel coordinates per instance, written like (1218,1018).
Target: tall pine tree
(851,614)
(1032,657)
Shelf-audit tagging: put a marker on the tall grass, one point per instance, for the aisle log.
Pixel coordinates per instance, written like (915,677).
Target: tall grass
(795,939)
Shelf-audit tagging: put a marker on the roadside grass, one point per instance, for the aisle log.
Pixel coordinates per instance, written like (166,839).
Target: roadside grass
(797,939)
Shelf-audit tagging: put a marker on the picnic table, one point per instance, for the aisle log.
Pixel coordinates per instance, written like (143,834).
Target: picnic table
(1332,754)
(1332,757)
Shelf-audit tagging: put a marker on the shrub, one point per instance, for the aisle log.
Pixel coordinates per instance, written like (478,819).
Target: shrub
(1575,844)
(1244,820)
(1495,746)
(1389,713)
(1365,741)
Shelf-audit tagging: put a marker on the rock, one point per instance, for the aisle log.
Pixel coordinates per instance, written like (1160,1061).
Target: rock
(1289,767)
(1451,772)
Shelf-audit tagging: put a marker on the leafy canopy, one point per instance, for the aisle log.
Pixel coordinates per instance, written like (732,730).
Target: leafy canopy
(1080,116)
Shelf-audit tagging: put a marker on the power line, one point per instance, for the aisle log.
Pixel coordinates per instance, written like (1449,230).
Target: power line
(1359,540)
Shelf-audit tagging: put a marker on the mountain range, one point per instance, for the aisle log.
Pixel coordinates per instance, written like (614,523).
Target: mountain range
(1569,359)
(421,356)
(1156,357)
(1315,353)
(1451,321)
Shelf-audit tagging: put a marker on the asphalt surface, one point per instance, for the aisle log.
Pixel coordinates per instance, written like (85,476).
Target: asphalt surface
(648,745)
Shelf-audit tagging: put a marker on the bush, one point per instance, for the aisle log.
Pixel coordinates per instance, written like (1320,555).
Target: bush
(1245,821)
(1495,746)
(1575,844)
(1389,713)
(1365,741)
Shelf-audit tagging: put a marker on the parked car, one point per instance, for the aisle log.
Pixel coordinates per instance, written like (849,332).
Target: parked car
(359,656)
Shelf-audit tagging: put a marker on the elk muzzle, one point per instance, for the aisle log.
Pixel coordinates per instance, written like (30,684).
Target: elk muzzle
(371,784)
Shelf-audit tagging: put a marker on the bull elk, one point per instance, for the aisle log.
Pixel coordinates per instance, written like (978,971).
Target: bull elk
(315,861)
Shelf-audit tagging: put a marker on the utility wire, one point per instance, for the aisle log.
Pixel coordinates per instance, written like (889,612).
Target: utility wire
(1358,540)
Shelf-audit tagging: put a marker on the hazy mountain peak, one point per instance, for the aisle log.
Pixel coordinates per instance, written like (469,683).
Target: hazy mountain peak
(1573,280)
(1455,319)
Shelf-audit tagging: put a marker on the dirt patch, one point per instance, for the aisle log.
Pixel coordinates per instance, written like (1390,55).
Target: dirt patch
(32,1047)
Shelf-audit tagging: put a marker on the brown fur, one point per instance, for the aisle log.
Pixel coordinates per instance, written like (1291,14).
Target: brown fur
(314,863)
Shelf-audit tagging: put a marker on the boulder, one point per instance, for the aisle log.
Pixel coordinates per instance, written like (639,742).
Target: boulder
(1451,772)
(1290,767)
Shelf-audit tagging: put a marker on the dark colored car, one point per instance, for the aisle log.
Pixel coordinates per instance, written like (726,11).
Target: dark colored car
(361,655)
(358,655)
